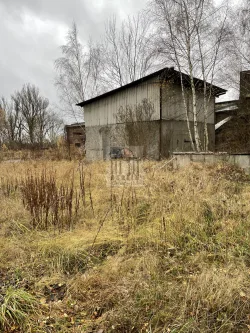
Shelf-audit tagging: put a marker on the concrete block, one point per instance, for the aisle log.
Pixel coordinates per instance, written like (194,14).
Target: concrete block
(210,159)
(183,160)
(198,158)
(243,161)
(231,159)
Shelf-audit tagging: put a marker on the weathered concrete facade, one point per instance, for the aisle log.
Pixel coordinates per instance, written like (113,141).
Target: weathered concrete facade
(156,137)
(100,139)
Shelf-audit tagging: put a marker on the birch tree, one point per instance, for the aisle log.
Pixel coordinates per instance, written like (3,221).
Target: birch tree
(77,72)
(124,54)
(191,34)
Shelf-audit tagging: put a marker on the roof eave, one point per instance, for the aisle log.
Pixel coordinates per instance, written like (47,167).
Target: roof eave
(131,84)
(167,71)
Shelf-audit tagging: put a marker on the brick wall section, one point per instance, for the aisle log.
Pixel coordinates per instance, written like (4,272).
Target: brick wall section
(75,135)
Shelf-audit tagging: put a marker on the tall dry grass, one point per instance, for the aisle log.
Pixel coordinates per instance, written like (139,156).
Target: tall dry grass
(170,256)
(50,205)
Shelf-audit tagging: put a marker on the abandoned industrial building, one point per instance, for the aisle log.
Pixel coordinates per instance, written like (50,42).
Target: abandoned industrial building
(75,136)
(157,100)
(233,121)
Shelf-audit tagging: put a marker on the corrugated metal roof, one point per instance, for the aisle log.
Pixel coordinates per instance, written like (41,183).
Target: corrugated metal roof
(165,73)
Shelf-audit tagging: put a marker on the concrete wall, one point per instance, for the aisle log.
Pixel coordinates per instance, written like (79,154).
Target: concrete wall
(99,140)
(145,143)
(182,159)
(174,131)
(175,137)
(173,106)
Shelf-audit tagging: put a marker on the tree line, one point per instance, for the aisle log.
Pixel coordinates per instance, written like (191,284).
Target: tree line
(26,120)
(200,38)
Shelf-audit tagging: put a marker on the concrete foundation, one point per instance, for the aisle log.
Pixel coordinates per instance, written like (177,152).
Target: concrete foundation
(185,159)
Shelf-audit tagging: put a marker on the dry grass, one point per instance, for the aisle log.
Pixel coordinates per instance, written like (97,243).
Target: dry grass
(171,256)
(16,306)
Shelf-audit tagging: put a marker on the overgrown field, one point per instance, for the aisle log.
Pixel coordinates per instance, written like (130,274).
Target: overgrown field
(79,255)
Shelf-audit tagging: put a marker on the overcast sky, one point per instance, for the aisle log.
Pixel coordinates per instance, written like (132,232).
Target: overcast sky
(31,32)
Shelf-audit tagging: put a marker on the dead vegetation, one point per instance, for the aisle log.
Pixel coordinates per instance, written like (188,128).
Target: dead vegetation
(50,205)
(170,256)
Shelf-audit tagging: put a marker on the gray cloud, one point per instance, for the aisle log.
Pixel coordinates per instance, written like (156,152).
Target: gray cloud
(33,30)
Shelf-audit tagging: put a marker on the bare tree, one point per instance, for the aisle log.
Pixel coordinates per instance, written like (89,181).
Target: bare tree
(33,109)
(71,71)
(97,84)
(13,121)
(27,119)
(242,34)
(191,34)
(85,71)
(49,125)
(239,48)
(77,72)
(54,128)
(129,54)
(3,129)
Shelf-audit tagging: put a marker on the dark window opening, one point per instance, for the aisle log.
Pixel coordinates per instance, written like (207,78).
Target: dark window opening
(188,141)
(78,145)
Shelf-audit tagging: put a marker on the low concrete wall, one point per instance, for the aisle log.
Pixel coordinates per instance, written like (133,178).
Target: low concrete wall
(184,159)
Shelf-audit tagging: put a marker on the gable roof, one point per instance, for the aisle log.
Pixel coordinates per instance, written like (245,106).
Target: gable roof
(163,74)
